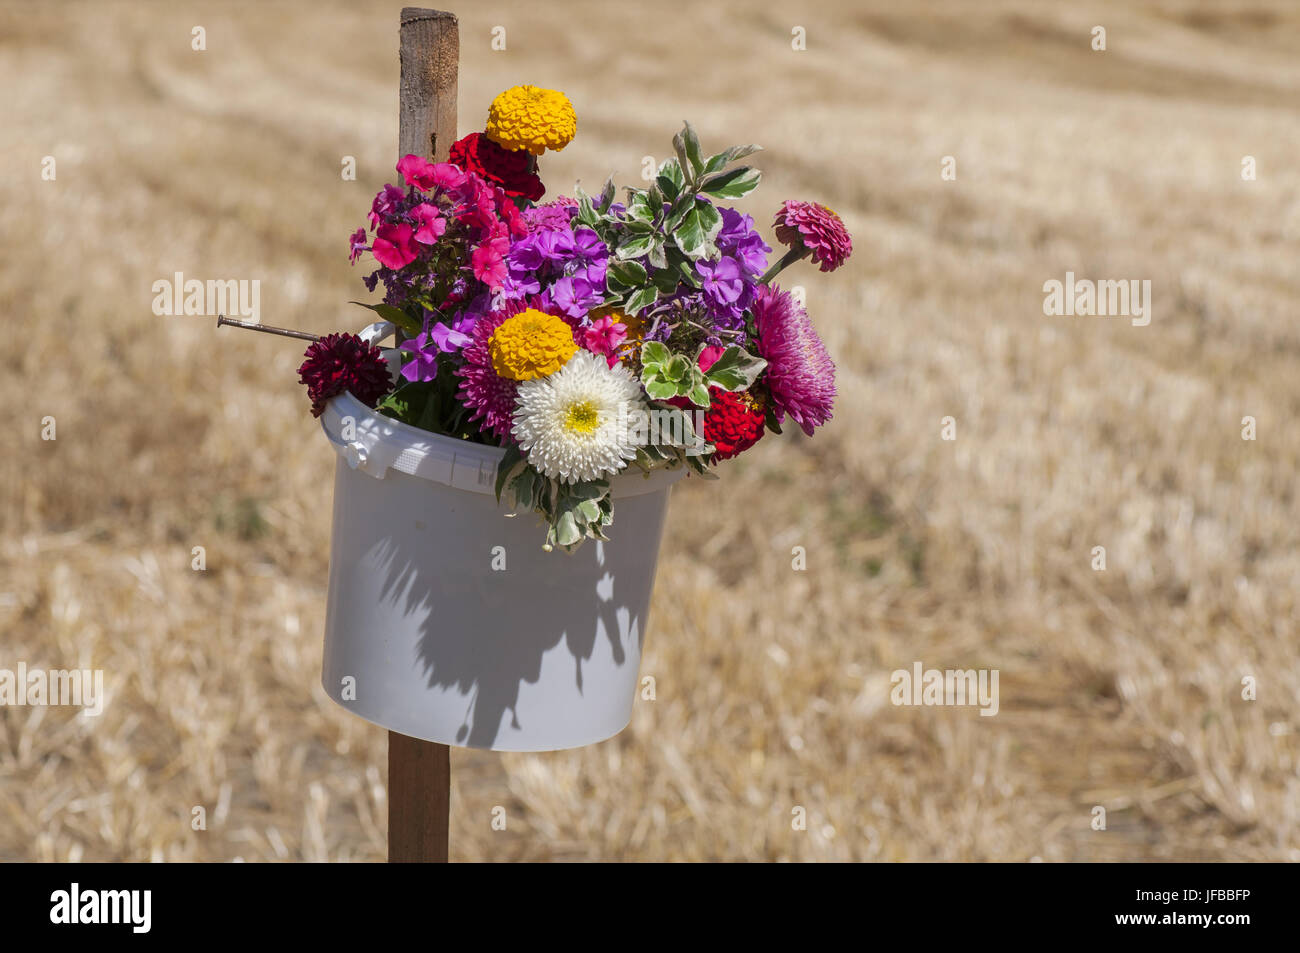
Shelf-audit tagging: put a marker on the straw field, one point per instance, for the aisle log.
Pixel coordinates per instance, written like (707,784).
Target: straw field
(1161,689)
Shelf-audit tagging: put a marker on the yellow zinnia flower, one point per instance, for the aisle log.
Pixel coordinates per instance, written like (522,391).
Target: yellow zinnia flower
(532,118)
(531,344)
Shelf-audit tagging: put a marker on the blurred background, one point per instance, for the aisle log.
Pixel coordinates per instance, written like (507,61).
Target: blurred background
(1120,689)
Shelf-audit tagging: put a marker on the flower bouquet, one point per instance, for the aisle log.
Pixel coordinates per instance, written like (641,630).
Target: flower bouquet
(564,357)
(583,335)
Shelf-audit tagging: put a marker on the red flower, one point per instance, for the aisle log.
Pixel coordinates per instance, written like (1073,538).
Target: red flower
(733,423)
(512,171)
(343,362)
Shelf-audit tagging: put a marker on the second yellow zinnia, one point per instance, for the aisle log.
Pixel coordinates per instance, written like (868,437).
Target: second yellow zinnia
(531,344)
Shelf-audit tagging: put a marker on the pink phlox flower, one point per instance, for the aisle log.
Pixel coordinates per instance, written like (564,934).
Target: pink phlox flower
(603,337)
(394,246)
(385,203)
(431,223)
(356,244)
(488,262)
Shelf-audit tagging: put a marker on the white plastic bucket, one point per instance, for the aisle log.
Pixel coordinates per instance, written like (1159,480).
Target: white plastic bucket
(427,636)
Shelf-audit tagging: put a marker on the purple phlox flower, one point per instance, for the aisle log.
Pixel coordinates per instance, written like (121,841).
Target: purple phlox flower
(425,347)
(448,339)
(725,323)
(575,296)
(555,245)
(723,284)
(423,365)
(526,256)
(586,245)
(519,285)
(738,239)
(595,273)
(472,310)
(397,286)
(588,257)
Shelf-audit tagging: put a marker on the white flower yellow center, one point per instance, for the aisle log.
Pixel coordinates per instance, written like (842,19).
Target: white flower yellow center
(565,421)
(581,417)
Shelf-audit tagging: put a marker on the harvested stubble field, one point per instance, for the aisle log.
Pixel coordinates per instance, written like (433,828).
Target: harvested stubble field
(1121,689)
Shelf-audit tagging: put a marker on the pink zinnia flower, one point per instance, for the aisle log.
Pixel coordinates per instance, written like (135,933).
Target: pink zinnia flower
(394,246)
(816,228)
(800,374)
(432,224)
(603,337)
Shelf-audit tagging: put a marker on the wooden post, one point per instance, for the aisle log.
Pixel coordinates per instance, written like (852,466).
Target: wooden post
(419,772)
(419,800)
(430,53)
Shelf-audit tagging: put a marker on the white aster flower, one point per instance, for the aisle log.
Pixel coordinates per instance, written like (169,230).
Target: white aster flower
(573,423)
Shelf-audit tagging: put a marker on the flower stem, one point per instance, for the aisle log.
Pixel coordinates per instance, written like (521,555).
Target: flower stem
(788,259)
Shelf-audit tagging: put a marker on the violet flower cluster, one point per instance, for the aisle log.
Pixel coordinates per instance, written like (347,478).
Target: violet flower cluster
(565,266)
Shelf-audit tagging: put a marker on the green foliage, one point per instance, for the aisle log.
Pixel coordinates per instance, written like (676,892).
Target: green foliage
(573,511)
(665,374)
(735,369)
(397,316)
(672,223)
(433,405)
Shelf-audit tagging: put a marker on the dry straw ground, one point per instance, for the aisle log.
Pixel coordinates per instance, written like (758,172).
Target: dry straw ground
(1120,688)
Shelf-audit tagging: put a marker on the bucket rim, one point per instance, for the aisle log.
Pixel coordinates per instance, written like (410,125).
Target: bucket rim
(379,444)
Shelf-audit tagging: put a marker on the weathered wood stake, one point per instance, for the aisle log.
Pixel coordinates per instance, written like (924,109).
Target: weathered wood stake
(419,772)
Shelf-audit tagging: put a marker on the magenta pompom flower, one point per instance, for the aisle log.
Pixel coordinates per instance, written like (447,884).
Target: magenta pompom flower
(800,373)
(490,396)
(814,228)
(343,362)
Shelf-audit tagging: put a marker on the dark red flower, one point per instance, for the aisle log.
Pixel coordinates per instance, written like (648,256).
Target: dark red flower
(343,362)
(512,171)
(733,423)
